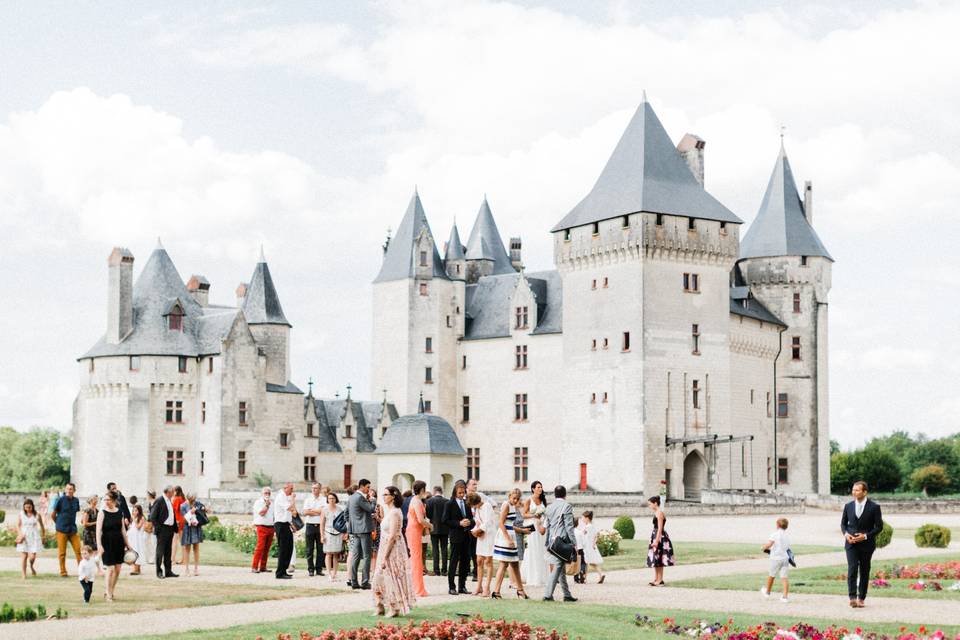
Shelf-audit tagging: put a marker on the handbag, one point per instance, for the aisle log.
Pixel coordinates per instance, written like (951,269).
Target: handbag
(340,522)
(202,518)
(561,547)
(296,522)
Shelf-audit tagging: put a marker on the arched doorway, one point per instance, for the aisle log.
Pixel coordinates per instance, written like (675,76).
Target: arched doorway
(694,475)
(447,483)
(403,481)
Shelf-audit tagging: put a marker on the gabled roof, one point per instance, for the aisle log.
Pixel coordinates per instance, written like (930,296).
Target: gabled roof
(400,260)
(485,242)
(645,173)
(488,310)
(421,433)
(455,248)
(781,227)
(365,416)
(742,303)
(261,305)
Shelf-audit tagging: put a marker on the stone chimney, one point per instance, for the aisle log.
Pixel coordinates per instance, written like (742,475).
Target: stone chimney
(119,295)
(515,246)
(241,294)
(199,288)
(808,201)
(691,148)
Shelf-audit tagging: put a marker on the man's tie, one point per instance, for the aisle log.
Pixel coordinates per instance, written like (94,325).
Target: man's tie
(463,511)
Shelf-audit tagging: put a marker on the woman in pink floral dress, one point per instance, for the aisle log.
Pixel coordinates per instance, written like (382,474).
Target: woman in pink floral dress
(392,588)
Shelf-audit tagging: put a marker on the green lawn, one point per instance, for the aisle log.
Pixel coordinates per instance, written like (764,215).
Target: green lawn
(824,580)
(633,553)
(593,622)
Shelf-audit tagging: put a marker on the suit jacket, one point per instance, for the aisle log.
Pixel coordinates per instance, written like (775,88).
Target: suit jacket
(435,507)
(558,520)
(159,513)
(360,514)
(124,509)
(452,517)
(870,522)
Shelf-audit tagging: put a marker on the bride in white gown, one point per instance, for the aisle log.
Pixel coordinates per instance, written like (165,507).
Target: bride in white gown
(534,566)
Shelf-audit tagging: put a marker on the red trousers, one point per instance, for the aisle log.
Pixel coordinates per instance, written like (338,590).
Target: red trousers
(262,552)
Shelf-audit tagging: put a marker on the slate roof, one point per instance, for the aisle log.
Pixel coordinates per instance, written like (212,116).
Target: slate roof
(421,433)
(283,388)
(781,227)
(262,304)
(485,242)
(157,290)
(455,249)
(742,303)
(488,312)
(400,260)
(645,173)
(365,414)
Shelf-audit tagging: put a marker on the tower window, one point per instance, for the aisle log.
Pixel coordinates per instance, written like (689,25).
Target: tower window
(625,222)
(593,284)
(659,219)
(520,407)
(203,412)
(606,282)
(242,414)
(466,409)
(691,282)
(751,396)
(134,363)
(803,263)
(520,356)
(423,258)
(691,224)
(423,288)
(473,463)
(520,460)
(593,398)
(463,362)
(241,464)
(309,429)
(696,394)
(182,364)
(566,235)
(723,228)
(428,375)
(796,303)
(695,334)
(604,396)
(348,430)
(596,228)
(309,468)
(795,346)
(173,413)
(92,367)
(606,343)
(449,322)
(428,345)
(593,344)
(284,440)
(626,341)
(783,471)
(427,406)
(174,462)
(769,409)
(783,405)
(175,320)
(202,463)
(522,317)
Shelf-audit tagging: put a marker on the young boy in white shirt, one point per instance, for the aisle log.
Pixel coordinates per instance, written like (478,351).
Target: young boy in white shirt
(777,545)
(87,570)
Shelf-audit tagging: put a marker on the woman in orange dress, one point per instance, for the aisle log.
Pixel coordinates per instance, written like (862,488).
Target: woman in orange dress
(417,525)
(178,499)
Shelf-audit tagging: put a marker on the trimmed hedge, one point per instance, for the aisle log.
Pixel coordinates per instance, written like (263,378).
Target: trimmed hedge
(885,536)
(624,526)
(932,535)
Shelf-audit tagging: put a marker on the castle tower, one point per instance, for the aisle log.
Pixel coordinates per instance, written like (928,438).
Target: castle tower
(418,317)
(486,254)
(788,269)
(261,308)
(645,357)
(454,259)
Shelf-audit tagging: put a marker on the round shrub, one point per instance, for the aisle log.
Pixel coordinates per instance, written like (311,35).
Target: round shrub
(931,479)
(608,543)
(885,536)
(932,535)
(624,526)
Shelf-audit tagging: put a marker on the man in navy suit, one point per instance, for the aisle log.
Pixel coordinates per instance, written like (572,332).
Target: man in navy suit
(861,523)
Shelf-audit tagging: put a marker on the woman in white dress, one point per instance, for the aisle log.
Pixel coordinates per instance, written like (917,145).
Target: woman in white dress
(30,534)
(484,530)
(533,569)
(138,537)
(330,538)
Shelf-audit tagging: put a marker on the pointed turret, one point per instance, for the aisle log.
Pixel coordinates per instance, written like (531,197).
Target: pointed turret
(781,227)
(261,305)
(455,257)
(403,257)
(645,173)
(486,254)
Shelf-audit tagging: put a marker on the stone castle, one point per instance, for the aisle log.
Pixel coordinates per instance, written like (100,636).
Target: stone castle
(662,349)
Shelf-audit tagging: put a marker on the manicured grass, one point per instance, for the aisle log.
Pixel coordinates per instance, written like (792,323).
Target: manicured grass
(633,553)
(593,622)
(824,580)
(135,593)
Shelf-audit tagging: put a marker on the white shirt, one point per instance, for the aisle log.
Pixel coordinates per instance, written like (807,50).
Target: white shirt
(265,520)
(280,506)
(781,542)
(311,503)
(858,506)
(87,570)
(169,520)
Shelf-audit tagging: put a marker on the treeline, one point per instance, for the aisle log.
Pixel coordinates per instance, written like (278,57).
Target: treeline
(33,460)
(899,462)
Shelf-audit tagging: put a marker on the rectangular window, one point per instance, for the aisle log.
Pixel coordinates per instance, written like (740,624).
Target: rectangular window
(769,407)
(695,334)
(243,414)
(473,463)
(604,396)
(428,345)
(520,464)
(428,375)
(566,235)
(796,303)
(696,394)
(347,475)
(174,462)
(593,398)
(606,282)
(466,409)
(783,471)
(203,412)
(795,347)
(241,464)
(751,396)
(428,406)
(520,356)
(626,341)
(284,440)
(463,362)
(134,363)
(520,406)
(348,430)
(593,344)
(743,459)
(659,219)
(723,228)
(173,413)
(803,261)
(691,224)
(182,364)
(423,258)
(769,470)
(210,364)
(782,405)
(691,282)
(593,283)
(625,221)
(423,288)
(596,228)
(309,429)
(175,322)
(91,367)
(309,468)
(522,317)
(449,322)
(606,343)
(202,463)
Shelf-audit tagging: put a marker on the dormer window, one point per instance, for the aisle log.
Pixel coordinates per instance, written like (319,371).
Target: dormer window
(723,228)
(566,235)
(309,429)
(659,219)
(803,261)
(691,224)
(625,222)
(423,258)
(596,228)
(348,431)
(175,319)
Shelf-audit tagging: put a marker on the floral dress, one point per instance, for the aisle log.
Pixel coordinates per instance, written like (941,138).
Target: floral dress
(662,554)
(391,584)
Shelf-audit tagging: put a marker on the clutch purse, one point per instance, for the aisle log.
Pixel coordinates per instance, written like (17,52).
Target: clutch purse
(130,556)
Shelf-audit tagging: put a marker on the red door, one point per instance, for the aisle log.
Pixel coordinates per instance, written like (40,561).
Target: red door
(583,476)
(347,475)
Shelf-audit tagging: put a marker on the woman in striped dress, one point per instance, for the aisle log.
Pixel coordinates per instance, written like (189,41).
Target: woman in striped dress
(505,546)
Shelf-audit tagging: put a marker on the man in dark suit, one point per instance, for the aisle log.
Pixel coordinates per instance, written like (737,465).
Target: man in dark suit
(121,503)
(438,535)
(165,527)
(458,517)
(860,523)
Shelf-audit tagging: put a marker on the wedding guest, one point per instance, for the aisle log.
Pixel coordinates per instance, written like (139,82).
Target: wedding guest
(192,534)
(473,486)
(263,521)
(165,528)
(138,536)
(178,499)
(660,551)
(283,510)
(151,548)
(559,524)
(590,552)
(533,569)
(459,520)
(30,535)
(505,549)
(417,524)
(312,515)
(121,503)
(112,540)
(392,588)
(87,571)
(860,523)
(331,541)
(484,531)
(64,513)
(777,545)
(88,522)
(360,510)
(438,532)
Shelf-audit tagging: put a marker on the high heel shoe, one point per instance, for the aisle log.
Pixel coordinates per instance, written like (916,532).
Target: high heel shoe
(495,595)
(522,595)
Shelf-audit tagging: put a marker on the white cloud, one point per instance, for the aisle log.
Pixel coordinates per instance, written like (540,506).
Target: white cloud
(897,358)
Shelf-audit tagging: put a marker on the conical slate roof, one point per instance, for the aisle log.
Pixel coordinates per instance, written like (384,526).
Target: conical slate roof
(421,433)
(400,262)
(645,173)
(781,227)
(262,304)
(485,242)
(454,246)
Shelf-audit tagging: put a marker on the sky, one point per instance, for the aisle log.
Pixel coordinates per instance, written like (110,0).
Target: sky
(304,127)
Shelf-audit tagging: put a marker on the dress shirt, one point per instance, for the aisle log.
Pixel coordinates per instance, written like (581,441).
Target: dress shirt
(265,520)
(858,506)
(311,503)
(169,520)
(462,505)
(281,504)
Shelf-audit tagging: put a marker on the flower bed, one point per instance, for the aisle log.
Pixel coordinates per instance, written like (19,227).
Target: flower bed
(608,542)
(773,631)
(472,629)
(916,572)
